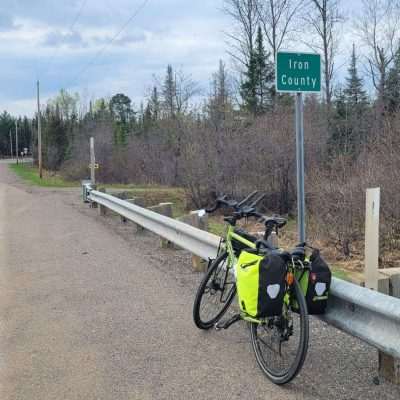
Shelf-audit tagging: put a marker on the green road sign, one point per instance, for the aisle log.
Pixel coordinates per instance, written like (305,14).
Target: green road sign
(298,72)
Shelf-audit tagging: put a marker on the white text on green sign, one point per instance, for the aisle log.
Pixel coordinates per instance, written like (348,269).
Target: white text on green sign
(298,72)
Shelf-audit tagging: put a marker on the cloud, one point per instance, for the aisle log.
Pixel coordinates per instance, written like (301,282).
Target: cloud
(36,41)
(131,38)
(6,22)
(59,39)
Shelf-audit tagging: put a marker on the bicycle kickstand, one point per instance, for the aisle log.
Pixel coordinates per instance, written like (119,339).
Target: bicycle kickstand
(218,326)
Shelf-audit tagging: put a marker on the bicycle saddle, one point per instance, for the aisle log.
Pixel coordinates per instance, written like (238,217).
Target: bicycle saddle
(277,221)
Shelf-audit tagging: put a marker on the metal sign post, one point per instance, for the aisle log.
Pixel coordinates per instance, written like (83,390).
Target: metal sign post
(301,205)
(298,73)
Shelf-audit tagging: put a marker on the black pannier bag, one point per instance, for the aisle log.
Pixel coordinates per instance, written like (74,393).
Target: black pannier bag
(315,284)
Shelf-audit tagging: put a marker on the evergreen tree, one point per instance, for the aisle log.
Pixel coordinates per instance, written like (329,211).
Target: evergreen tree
(256,88)
(355,95)
(348,124)
(393,85)
(154,104)
(169,93)
(265,74)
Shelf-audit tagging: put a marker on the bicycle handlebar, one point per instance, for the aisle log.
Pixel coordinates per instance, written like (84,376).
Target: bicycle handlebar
(222,201)
(248,198)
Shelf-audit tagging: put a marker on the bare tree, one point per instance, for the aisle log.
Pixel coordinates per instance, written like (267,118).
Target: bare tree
(324,18)
(242,38)
(378,27)
(277,18)
(177,90)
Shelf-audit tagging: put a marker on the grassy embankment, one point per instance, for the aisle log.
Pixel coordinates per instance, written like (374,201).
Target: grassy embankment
(30,175)
(150,194)
(155,195)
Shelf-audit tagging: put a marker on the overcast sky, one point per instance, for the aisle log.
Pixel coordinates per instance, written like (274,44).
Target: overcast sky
(36,41)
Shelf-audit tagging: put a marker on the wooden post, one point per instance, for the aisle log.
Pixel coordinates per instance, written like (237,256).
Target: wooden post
(140,203)
(199,265)
(166,210)
(11,145)
(39,122)
(389,367)
(16,140)
(102,209)
(92,162)
(395,285)
(372,238)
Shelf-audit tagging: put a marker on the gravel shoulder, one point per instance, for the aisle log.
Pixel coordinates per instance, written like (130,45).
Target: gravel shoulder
(89,309)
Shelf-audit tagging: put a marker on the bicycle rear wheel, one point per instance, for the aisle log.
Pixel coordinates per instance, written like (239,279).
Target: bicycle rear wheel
(215,294)
(280,344)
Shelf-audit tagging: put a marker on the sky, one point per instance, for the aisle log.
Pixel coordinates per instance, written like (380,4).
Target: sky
(65,44)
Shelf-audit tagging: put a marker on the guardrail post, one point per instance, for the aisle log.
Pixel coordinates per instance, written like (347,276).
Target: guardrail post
(102,209)
(166,210)
(389,366)
(199,265)
(273,239)
(140,203)
(395,285)
(123,219)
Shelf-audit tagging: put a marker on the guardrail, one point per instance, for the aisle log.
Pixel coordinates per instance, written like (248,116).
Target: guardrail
(373,317)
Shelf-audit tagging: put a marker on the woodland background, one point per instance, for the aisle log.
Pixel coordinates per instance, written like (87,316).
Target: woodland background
(240,135)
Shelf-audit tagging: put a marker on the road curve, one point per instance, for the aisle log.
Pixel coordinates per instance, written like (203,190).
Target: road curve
(91,310)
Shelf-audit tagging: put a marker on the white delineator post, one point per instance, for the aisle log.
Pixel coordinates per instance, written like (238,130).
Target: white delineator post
(372,238)
(92,162)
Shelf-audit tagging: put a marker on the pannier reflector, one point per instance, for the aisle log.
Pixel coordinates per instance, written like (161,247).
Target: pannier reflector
(273,290)
(320,288)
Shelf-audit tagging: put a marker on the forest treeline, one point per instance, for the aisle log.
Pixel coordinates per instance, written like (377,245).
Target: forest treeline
(239,136)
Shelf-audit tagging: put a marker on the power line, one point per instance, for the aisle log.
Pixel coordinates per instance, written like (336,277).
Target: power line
(70,29)
(111,41)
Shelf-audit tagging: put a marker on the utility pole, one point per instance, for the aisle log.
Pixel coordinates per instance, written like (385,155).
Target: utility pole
(16,139)
(11,149)
(92,162)
(39,134)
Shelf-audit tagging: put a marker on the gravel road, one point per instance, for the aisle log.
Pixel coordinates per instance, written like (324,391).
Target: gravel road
(91,310)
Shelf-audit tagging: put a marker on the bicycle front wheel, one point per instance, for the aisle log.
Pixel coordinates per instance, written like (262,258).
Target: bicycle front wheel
(280,344)
(215,293)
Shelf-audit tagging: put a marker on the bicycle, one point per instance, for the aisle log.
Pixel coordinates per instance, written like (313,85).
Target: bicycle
(275,338)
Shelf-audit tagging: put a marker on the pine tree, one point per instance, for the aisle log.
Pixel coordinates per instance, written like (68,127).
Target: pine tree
(355,95)
(348,123)
(154,104)
(257,87)
(249,85)
(393,85)
(265,74)
(169,93)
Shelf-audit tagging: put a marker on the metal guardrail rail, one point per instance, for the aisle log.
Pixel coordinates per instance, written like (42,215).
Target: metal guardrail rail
(373,317)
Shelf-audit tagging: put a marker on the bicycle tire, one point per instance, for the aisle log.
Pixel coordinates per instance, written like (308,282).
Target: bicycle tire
(283,377)
(209,282)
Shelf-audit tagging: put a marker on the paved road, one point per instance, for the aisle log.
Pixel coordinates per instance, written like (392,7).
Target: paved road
(90,310)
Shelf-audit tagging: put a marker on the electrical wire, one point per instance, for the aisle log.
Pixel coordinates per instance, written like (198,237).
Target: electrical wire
(70,30)
(110,42)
